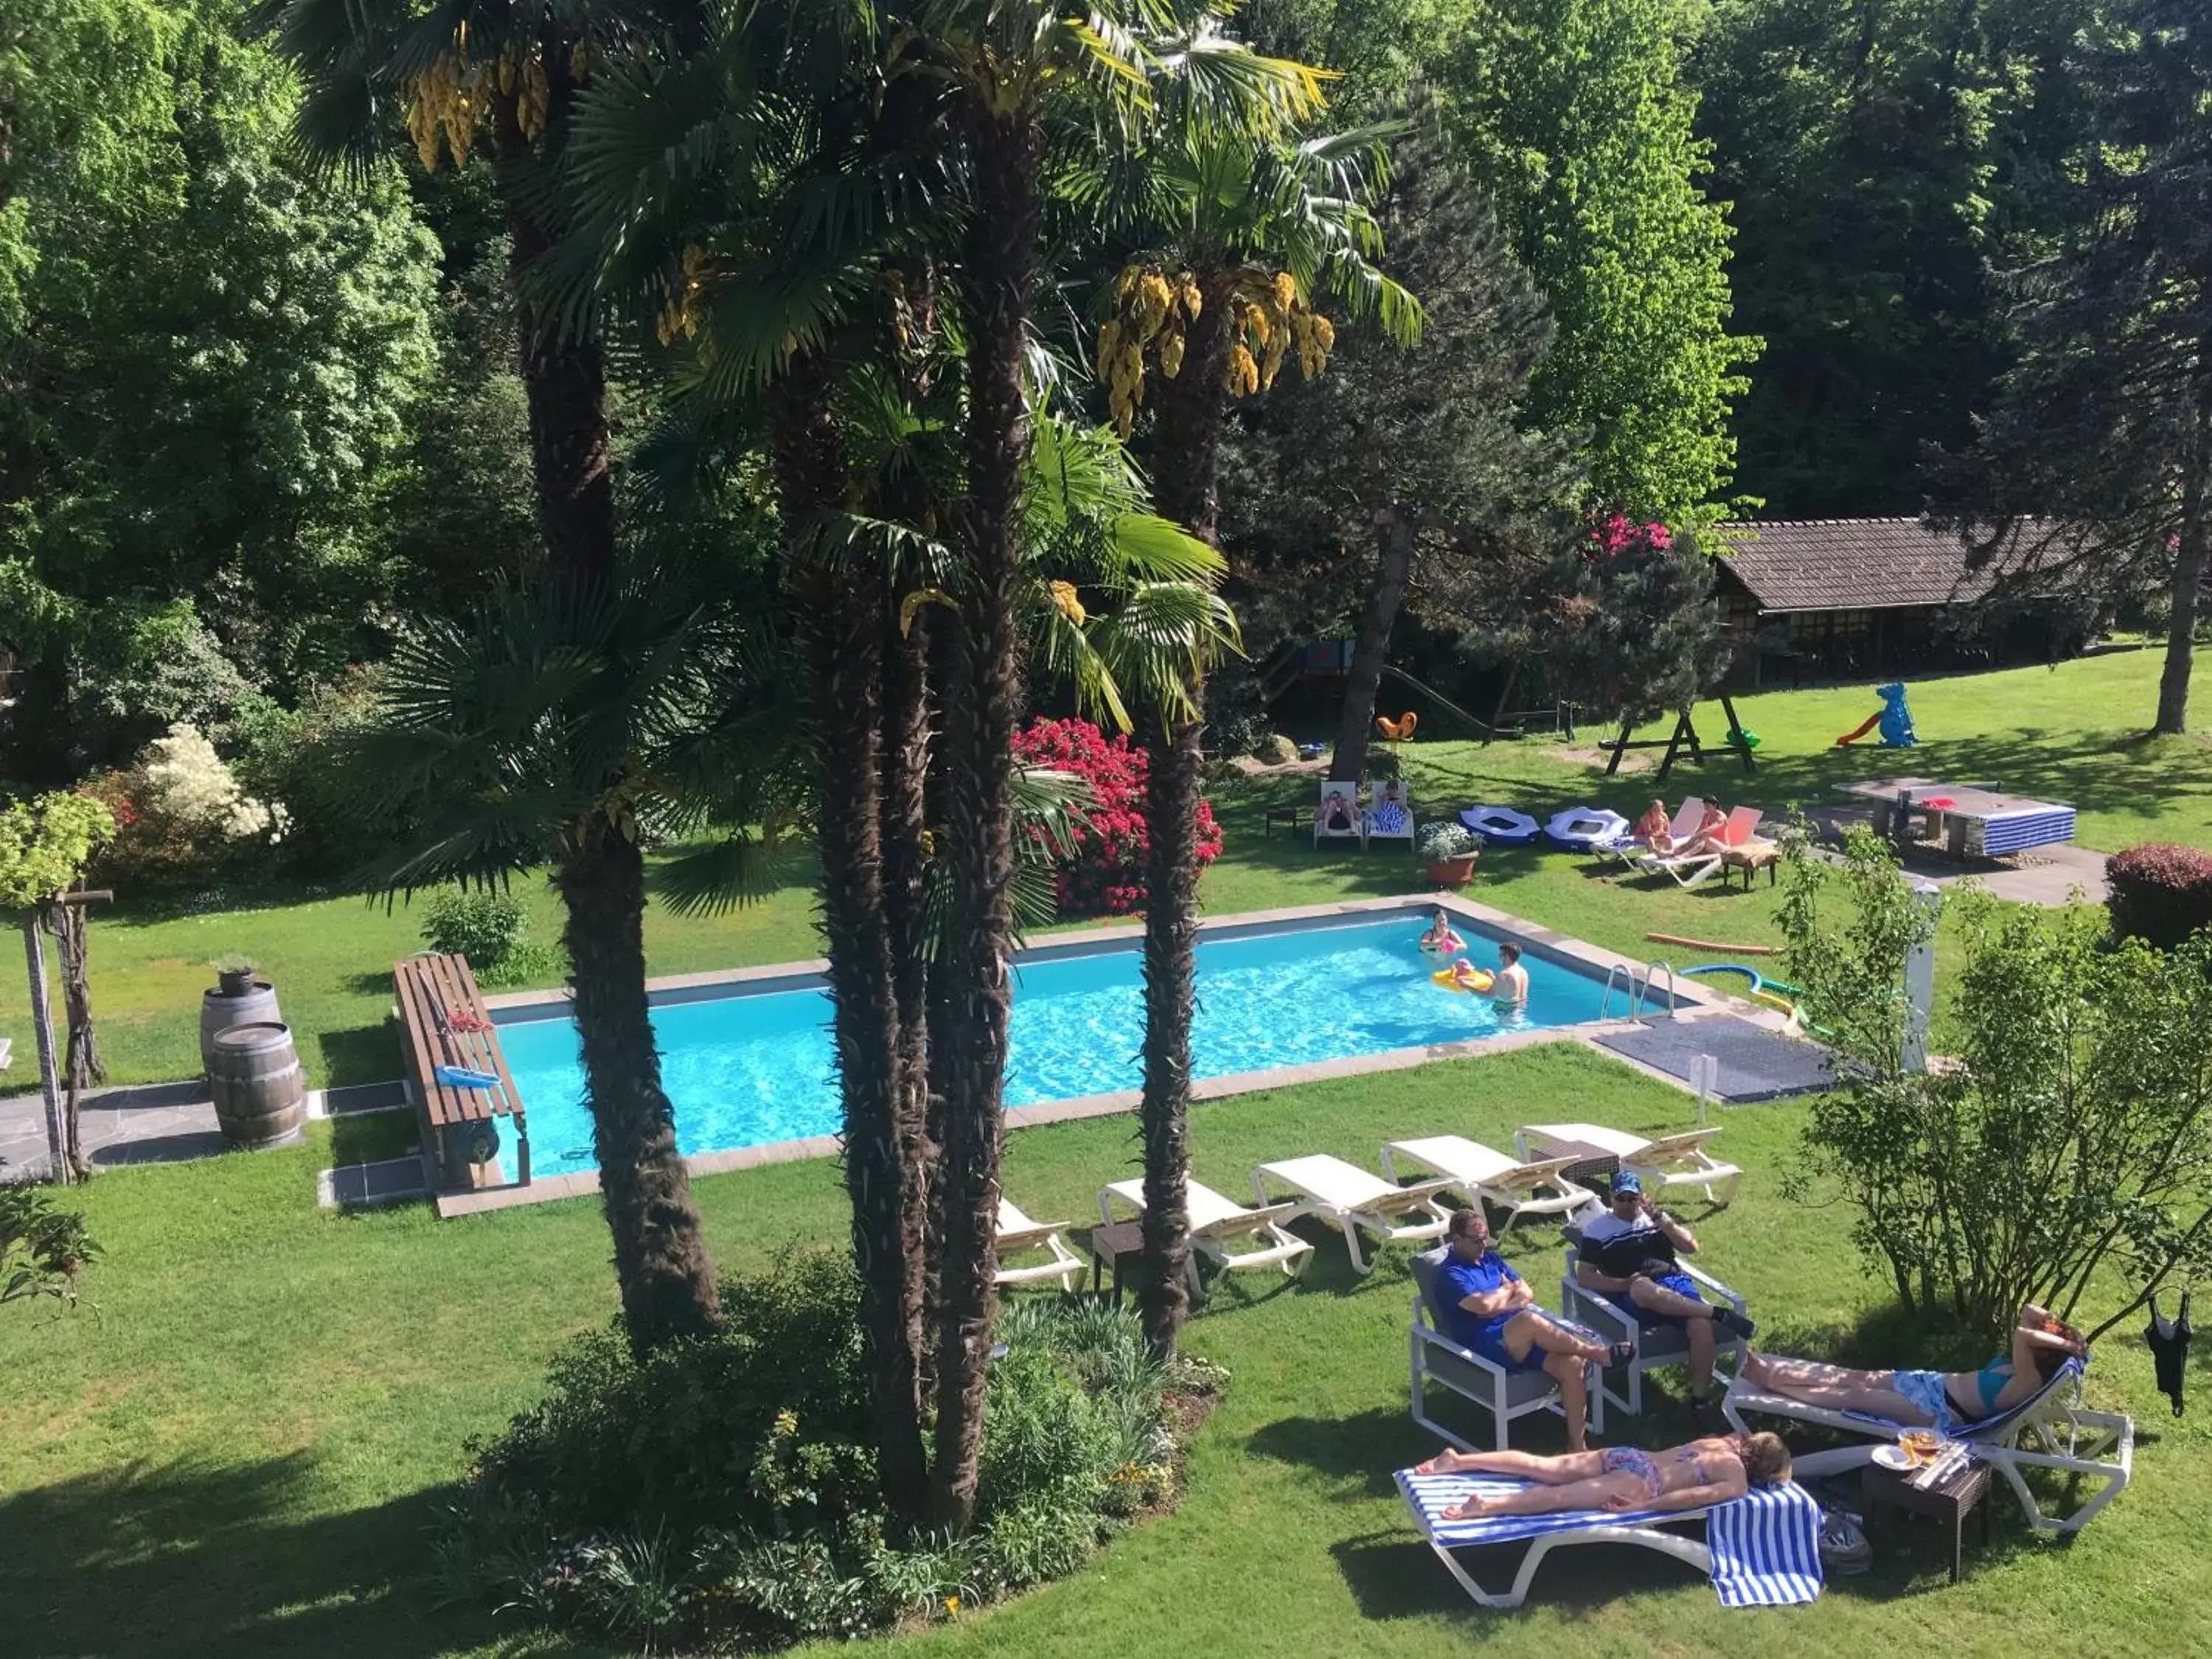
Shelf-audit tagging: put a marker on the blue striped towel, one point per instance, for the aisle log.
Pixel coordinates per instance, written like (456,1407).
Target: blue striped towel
(1388,820)
(1767,1548)
(1766,1545)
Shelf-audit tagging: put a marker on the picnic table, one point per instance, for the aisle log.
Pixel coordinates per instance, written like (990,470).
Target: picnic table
(1972,820)
(448,1029)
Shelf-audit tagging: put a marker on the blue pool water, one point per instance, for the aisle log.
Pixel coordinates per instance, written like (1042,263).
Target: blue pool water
(742,1071)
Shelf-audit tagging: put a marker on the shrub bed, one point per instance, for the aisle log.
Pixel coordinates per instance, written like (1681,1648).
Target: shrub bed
(723,1493)
(2160,893)
(1103,874)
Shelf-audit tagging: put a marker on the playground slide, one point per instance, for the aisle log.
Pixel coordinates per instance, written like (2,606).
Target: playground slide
(1865,726)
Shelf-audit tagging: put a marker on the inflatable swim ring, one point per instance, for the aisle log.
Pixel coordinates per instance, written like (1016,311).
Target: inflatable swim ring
(1441,952)
(1479,979)
(1501,826)
(1585,829)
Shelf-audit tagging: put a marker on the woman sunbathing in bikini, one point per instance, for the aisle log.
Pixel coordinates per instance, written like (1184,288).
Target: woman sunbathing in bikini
(1714,1470)
(1944,1401)
(1654,829)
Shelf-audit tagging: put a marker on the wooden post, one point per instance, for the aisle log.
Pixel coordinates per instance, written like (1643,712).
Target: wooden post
(1620,748)
(42,1023)
(1735,734)
(1682,729)
(1505,701)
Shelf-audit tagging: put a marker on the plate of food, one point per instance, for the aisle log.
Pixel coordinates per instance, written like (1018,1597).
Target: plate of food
(1894,1457)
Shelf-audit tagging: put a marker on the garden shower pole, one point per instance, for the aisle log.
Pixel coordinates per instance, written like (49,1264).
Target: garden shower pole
(1920,982)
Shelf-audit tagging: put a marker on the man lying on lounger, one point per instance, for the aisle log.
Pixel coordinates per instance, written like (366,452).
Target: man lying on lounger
(1494,1314)
(1628,1257)
(1695,1476)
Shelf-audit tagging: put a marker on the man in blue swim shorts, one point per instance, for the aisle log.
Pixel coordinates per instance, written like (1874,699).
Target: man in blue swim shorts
(1628,1257)
(1494,1315)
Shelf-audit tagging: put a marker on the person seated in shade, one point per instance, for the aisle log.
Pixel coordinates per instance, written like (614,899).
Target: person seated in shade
(1947,1401)
(1339,815)
(1494,1313)
(1440,940)
(1654,829)
(1628,1257)
(1508,986)
(1693,1476)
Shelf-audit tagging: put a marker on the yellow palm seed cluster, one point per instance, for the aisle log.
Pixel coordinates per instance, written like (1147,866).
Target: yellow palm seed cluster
(1070,606)
(680,297)
(448,99)
(1153,308)
(443,100)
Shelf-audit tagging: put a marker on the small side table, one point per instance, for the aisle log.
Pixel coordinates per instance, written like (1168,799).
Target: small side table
(1750,860)
(1591,1162)
(1118,1245)
(1947,1503)
(1290,816)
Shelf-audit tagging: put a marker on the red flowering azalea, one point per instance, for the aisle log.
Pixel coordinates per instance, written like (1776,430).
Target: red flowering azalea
(1616,534)
(1103,874)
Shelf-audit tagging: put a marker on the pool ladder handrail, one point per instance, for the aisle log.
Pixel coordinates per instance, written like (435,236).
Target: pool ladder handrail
(1639,987)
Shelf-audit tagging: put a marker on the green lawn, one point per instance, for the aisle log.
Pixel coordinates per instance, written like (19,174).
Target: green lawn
(2072,732)
(238,1452)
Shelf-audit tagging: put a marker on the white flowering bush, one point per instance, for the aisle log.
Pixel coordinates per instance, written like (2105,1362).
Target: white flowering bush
(186,781)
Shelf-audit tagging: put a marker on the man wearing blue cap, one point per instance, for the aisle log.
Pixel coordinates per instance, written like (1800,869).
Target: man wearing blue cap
(1628,1256)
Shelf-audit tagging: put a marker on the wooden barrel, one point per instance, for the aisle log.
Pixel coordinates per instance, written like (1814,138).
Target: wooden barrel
(219,1012)
(260,1093)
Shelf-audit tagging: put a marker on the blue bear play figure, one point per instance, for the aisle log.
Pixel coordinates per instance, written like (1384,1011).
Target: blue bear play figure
(1896,718)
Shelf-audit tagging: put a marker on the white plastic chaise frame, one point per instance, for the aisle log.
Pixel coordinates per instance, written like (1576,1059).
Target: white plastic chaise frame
(1216,1221)
(1353,1200)
(1485,1175)
(1666,1161)
(1694,1552)
(2063,1435)
(1017,1233)
(1616,1324)
(1336,789)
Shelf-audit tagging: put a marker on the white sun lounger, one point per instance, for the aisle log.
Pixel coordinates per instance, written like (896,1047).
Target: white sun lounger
(1016,1233)
(1675,1160)
(2049,1430)
(1760,1550)
(1634,850)
(1355,821)
(1216,1222)
(1352,1198)
(1486,1175)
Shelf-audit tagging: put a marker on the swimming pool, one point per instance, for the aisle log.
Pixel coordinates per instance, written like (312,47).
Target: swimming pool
(748,1068)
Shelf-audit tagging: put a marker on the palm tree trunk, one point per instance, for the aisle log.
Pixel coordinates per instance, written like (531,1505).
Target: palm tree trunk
(905,818)
(667,1282)
(1356,724)
(1187,474)
(982,711)
(841,634)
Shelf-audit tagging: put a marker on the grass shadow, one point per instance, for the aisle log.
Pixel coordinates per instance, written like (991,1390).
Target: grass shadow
(192,1558)
(359,1054)
(371,1137)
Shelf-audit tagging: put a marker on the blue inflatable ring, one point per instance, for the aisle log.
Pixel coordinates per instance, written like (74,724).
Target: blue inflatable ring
(1585,829)
(1501,826)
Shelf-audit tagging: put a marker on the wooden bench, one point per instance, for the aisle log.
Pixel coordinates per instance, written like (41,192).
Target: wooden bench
(432,989)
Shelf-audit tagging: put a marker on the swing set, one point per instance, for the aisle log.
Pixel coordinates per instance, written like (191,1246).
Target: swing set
(1685,733)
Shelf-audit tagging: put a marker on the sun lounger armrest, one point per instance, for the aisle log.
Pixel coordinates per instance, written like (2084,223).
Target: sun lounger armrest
(1681,1144)
(1030,1238)
(1712,1284)
(1250,1221)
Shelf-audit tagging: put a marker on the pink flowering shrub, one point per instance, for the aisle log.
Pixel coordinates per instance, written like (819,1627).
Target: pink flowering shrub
(1103,874)
(1616,534)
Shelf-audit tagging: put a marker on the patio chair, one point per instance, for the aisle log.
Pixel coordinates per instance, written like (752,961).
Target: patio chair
(1488,1176)
(1391,817)
(1684,825)
(1658,1343)
(1760,1550)
(1338,817)
(1433,1357)
(1017,1234)
(1352,1198)
(2049,1430)
(1675,1160)
(1217,1222)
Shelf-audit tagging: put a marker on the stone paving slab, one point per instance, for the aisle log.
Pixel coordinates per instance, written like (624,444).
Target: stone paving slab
(365,1185)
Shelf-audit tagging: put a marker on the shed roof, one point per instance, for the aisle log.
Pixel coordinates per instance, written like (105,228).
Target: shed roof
(1852,564)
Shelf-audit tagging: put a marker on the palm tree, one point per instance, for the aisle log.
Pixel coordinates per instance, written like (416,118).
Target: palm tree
(517,70)
(1239,231)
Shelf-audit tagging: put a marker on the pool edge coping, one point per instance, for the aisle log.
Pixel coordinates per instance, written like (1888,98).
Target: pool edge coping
(1697,1000)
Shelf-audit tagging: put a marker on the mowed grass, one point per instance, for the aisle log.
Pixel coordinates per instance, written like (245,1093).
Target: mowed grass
(238,1452)
(2072,732)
